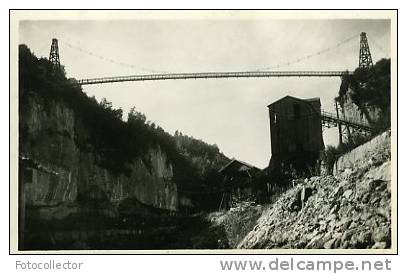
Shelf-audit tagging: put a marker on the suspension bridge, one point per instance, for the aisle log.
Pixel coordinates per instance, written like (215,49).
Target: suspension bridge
(209,75)
(327,119)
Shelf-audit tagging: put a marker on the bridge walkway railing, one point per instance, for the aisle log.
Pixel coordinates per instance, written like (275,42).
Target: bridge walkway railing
(332,119)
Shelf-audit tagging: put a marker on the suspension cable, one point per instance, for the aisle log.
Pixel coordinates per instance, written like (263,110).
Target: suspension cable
(300,59)
(386,54)
(120,63)
(291,62)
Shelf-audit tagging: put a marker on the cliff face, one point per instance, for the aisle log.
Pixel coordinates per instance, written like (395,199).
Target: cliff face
(365,95)
(49,134)
(364,112)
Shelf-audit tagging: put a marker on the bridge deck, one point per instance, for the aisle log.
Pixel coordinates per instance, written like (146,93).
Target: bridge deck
(209,75)
(330,119)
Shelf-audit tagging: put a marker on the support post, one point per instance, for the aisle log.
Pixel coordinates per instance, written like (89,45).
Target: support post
(221,202)
(349,139)
(338,122)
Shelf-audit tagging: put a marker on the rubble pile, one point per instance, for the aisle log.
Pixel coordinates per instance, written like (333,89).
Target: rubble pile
(236,222)
(349,210)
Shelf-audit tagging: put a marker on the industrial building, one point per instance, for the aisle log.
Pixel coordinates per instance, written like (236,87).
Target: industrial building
(296,135)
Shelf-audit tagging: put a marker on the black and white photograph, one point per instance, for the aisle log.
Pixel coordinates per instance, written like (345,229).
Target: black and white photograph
(209,131)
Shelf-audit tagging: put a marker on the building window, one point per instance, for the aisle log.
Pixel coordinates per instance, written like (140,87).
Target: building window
(296,111)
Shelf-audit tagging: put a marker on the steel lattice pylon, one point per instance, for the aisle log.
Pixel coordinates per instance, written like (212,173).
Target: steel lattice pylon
(54,53)
(365,58)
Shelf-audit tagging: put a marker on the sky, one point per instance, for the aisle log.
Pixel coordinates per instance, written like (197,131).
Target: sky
(231,113)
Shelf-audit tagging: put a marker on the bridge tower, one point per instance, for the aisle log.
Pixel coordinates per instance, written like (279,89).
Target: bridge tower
(365,59)
(54,53)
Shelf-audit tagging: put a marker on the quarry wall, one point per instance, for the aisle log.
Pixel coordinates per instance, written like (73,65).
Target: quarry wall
(51,131)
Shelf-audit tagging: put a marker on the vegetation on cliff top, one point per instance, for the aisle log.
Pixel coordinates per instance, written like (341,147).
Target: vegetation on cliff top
(366,87)
(118,142)
(370,87)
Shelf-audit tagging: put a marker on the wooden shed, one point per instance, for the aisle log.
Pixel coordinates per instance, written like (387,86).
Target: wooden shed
(237,182)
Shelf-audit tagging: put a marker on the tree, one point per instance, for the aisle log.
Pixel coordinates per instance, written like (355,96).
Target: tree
(136,117)
(106,104)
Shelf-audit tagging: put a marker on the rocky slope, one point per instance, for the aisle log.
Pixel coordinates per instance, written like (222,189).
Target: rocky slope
(349,210)
(235,223)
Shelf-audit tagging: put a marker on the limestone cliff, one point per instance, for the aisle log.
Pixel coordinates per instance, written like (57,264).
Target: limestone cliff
(49,135)
(365,95)
(364,112)
(79,149)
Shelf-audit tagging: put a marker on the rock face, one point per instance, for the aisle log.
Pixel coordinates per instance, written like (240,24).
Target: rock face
(69,172)
(349,210)
(365,113)
(378,147)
